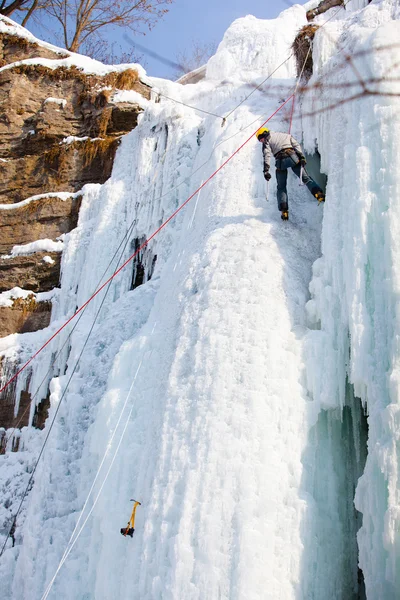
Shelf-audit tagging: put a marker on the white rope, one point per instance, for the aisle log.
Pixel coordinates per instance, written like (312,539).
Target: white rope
(72,540)
(195,206)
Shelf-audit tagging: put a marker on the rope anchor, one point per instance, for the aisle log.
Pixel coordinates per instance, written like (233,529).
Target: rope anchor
(130,528)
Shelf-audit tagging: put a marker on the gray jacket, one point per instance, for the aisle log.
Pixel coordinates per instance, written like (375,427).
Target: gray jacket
(276,142)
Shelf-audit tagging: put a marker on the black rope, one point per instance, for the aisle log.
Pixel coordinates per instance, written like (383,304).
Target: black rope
(258,86)
(14,521)
(189,106)
(34,395)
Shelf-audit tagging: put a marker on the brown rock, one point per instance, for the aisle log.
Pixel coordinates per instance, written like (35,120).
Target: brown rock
(123,118)
(322,8)
(7,406)
(34,160)
(14,47)
(46,218)
(31,128)
(24,316)
(30,272)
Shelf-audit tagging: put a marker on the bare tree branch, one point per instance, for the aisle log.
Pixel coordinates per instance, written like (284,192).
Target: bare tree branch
(195,57)
(80,19)
(7,9)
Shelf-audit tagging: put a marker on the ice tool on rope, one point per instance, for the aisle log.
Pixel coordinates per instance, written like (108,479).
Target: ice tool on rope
(130,528)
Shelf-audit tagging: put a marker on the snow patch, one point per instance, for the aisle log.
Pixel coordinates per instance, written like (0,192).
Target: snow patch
(44,245)
(61,195)
(7,298)
(130,96)
(84,63)
(60,101)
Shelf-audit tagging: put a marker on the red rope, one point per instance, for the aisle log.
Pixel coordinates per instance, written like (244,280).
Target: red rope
(138,250)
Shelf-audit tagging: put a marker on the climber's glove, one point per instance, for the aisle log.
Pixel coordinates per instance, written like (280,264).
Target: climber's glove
(303,161)
(267,175)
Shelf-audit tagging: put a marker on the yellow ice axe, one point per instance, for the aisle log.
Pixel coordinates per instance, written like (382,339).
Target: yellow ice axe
(130,528)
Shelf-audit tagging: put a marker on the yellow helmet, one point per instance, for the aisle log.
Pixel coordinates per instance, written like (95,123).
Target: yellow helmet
(262,131)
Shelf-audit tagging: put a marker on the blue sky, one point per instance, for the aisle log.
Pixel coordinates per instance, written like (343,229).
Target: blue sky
(202,20)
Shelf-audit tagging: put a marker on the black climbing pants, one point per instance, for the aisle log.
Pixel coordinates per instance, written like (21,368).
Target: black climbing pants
(284,161)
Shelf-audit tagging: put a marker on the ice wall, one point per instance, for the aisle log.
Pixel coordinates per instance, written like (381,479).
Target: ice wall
(355,283)
(219,393)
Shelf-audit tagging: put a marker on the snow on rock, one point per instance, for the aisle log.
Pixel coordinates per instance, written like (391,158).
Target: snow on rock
(70,59)
(37,246)
(223,392)
(130,96)
(60,195)
(87,65)
(60,101)
(7,298)
(73,138)
(10,27)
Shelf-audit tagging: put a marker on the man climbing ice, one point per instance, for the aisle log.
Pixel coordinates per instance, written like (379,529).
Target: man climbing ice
(288,153)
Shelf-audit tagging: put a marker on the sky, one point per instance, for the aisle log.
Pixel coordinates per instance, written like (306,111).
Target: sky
(201,20)
(204,21)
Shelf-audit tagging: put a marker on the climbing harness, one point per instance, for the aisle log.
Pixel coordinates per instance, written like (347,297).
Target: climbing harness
(130,528)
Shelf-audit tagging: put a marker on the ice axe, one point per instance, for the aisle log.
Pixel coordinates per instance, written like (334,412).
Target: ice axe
(130,528)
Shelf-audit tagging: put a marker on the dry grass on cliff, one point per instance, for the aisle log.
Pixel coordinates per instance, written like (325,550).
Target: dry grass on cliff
(35,205)
(16,40)
(124,80)
(91,94)
(59,158)
(27,305)
(301,47)
(96,149)
(103,121)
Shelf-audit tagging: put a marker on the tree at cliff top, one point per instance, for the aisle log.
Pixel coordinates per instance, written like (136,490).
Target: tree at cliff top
(7,7)
(83,20)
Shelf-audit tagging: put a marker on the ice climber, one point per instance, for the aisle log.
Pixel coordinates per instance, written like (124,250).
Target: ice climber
(288,153)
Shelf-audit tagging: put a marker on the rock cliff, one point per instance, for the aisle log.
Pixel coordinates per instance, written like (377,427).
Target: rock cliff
(59,130)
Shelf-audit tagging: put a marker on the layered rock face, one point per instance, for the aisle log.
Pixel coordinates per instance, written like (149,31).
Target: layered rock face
(59,130)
